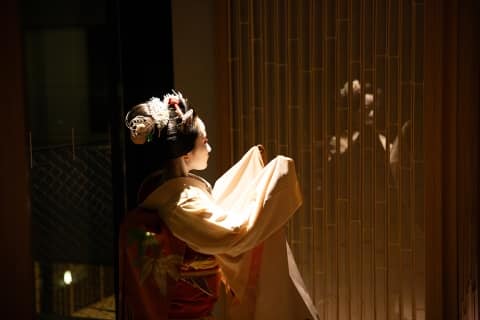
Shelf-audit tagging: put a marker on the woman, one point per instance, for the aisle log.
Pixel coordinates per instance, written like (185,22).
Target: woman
(185,237)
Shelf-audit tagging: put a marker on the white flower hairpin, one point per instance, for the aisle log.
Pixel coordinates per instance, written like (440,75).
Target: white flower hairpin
(159,112)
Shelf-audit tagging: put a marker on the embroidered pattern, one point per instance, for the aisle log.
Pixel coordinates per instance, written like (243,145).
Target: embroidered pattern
(152,261)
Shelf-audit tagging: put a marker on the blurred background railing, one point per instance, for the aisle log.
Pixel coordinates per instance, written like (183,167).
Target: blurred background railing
(72,228)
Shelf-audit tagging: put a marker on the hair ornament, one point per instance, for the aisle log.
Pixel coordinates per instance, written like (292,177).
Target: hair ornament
(175,99)
(187,115)
(159,112)
(142,127)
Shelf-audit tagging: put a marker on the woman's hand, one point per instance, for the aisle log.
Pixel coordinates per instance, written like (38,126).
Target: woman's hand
(261,148)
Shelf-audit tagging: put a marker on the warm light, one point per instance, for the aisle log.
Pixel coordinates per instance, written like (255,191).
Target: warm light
(67,277)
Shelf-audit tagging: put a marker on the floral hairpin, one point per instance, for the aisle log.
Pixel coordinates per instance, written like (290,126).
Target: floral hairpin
(159,112)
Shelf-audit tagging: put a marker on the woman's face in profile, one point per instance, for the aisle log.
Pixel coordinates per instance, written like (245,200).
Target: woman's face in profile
(198,157)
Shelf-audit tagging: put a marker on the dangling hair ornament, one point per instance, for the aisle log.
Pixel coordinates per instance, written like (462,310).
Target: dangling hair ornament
(175,100)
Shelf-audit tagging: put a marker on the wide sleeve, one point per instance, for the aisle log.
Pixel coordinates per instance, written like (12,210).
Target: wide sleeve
(198,221)
(261,208)
(236,180)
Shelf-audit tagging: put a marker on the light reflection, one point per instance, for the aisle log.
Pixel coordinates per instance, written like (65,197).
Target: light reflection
(67,277)
(394,149)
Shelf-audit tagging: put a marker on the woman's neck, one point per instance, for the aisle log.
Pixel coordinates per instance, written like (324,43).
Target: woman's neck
(175,168)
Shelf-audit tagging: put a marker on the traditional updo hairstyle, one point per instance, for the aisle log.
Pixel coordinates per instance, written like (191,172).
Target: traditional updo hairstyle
(167,128)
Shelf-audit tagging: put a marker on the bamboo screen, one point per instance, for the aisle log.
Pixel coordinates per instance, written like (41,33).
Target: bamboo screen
(337,86)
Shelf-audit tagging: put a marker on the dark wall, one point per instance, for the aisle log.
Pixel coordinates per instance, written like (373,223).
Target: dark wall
(145,38)
(452,123)
(468,161)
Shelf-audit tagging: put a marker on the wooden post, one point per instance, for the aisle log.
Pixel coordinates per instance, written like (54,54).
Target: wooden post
(17,300)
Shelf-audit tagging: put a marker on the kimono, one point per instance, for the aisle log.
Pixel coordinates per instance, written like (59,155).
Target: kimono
(233,232)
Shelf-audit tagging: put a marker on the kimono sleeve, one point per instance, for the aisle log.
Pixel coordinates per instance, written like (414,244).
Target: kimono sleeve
(202,224)
(260,210)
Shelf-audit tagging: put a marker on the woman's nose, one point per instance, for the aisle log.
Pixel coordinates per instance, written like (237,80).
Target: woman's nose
(209,148)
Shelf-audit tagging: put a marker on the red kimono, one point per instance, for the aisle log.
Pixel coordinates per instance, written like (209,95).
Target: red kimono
(160,276)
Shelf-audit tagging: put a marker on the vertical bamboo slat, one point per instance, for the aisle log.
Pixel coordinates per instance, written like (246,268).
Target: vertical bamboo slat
(359,238)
